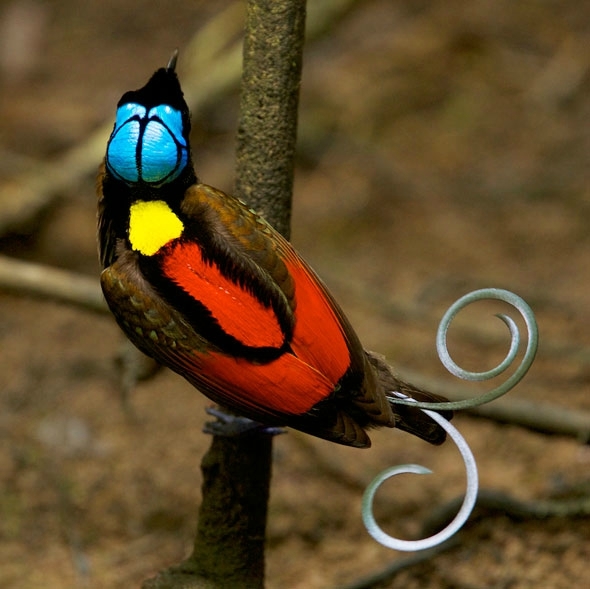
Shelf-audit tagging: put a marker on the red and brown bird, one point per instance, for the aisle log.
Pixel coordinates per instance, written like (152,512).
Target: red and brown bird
(205,286)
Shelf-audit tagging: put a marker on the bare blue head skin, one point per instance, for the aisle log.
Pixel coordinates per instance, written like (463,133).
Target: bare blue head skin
(149,144)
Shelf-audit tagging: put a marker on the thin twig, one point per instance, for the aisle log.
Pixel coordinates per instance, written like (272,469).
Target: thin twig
(503,503)
(391,570)
(27,278)
(546,418)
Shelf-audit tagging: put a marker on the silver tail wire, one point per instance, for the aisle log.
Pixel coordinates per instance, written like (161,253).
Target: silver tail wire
(470,465)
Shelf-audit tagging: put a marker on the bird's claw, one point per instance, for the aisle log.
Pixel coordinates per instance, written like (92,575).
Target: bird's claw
(227,425)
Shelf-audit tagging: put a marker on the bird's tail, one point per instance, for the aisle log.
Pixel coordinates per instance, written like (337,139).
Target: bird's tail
(409,419)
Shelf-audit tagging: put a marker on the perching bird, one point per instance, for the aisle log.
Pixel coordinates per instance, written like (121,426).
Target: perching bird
(202,284)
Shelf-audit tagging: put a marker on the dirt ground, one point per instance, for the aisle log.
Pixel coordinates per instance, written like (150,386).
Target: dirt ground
(444,146)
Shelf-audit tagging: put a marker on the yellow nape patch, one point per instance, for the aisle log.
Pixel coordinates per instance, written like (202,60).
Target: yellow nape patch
(152,224)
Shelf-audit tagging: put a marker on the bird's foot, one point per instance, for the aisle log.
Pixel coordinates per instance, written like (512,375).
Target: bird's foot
(228,425)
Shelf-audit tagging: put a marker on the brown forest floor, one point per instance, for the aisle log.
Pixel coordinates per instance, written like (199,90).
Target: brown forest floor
(445,146)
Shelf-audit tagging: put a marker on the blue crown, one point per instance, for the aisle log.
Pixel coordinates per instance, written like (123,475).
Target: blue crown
(147,146)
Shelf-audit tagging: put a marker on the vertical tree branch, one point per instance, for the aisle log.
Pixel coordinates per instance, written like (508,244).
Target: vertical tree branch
(268,111)
(229,545)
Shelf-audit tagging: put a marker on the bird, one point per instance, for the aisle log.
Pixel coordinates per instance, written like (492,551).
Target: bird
(204,285)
